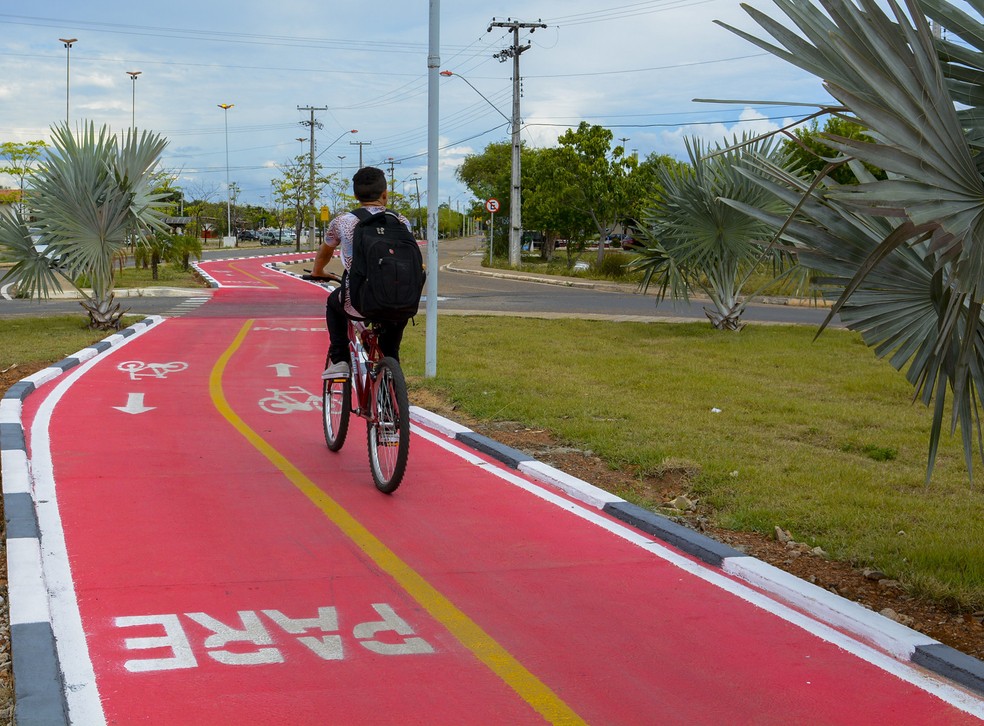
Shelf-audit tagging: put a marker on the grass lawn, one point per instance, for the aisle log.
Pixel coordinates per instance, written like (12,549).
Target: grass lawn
(817,437)
(167,276)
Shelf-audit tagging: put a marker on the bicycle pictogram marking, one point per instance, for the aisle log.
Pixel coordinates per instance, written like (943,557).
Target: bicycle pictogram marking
(138,369)
(289,400)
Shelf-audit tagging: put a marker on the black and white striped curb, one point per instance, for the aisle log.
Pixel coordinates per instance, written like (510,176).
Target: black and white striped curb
(38,684)
(894,638)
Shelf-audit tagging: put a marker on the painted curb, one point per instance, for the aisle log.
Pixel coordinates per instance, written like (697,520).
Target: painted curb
(39,696)
(901,642)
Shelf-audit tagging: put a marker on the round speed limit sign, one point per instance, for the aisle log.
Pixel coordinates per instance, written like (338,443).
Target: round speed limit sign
(492,205)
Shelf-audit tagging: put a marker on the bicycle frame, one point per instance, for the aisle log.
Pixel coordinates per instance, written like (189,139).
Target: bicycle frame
(376,391)
(364,354)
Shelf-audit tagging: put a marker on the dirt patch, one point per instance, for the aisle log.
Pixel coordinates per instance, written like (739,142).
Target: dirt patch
(961,630)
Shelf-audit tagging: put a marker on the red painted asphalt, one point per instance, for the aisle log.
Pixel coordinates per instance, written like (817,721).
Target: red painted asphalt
(215,586)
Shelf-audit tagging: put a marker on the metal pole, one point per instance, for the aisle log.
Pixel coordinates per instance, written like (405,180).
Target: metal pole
(225,108)
(133,106)
(68,65)
(433,172)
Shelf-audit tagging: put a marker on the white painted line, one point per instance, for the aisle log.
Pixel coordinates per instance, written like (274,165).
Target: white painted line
(840,612)
(25,583)
(81,691)
(925,680)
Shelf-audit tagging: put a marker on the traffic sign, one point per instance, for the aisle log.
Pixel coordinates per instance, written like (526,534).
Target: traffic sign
(492,205)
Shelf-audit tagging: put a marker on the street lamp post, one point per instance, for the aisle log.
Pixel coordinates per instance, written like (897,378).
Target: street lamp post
(133,104)
(225,108)
(68,64)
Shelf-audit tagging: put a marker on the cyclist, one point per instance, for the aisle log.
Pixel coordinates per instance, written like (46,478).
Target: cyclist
(369,187)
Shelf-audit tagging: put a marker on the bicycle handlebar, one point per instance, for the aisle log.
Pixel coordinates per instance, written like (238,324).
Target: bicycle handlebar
(327,277)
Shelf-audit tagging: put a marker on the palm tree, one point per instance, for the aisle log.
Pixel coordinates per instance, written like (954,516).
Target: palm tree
(907,251)
(93,195)
(696,242)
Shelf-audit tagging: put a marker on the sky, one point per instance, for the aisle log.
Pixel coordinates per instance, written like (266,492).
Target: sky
(632,67)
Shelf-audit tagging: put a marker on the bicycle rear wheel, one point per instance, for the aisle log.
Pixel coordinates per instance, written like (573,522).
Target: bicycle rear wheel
(336,404)
(388,432)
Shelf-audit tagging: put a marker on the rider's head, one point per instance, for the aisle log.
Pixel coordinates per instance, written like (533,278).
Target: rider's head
(369,184)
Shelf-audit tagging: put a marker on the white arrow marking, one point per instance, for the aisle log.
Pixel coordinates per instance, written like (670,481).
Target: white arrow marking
(135,404)
(283,369)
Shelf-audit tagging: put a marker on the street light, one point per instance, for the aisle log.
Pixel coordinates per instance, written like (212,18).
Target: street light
(68,64)
(448,74)
(225,108)
(133,112)
(340,136)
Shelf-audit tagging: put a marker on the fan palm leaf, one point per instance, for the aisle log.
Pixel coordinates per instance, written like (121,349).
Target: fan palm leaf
(693,241)
(93,195)
(908,251)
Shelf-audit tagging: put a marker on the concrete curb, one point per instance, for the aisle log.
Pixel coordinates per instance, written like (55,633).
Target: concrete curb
(894,638)
(39,696)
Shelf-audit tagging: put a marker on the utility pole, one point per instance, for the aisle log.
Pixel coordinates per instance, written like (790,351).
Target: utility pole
(392,164)
(515,193)
(360,144)
(312,124)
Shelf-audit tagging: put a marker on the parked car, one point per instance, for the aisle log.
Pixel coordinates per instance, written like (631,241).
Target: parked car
(247,235)
(268,237)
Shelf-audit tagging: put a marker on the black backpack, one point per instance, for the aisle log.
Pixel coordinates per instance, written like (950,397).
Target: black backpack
(387,273)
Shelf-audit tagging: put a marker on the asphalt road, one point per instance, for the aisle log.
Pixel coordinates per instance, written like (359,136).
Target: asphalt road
(466,292)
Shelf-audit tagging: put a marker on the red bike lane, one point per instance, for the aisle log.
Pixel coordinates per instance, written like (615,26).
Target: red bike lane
(224,567)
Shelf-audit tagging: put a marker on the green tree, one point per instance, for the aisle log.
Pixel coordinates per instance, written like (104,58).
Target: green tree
(811,152)
(295,189)
(182,248)
(596,176)
(922,100)
(695,241)
(20,160)
(489,176)
(547,203)
(93,192)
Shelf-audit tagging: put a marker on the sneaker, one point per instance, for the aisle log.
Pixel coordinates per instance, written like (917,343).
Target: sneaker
(336,370)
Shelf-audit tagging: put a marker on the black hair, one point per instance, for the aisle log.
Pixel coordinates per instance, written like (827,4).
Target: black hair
(368,184)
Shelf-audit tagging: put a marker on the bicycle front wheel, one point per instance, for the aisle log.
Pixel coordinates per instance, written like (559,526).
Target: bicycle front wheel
(388,432)
(336,403)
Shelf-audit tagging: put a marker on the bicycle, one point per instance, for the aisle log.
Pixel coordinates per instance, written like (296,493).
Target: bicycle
(380,397)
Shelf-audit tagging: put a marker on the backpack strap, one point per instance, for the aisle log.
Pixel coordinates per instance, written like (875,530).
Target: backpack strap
(362,213)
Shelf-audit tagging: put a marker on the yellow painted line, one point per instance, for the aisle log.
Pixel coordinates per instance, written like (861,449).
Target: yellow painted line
(237,268)
(540,697)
